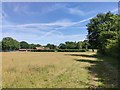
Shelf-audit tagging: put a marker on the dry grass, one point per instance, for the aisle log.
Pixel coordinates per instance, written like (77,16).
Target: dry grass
(48,69)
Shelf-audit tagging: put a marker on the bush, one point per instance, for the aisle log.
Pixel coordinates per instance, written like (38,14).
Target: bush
(60,50)
(71,50)
(51,50)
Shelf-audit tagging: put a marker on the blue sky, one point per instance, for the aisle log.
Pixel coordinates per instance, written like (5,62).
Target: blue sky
(50,22)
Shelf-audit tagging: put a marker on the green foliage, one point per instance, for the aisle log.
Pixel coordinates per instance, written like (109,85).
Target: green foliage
(9,44)
(62,46)
(74,45)
(60,50)
(24,45)
(33,46)
(118,46)
(103,33)
(71,50)
(49,50)
(70,45)
(51,46)
(0,46)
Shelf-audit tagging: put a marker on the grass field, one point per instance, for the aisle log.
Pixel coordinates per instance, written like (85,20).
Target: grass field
(56,70)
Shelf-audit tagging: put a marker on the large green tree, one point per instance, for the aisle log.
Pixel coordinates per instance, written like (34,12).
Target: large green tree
(62,46)
(24,45)
(9,44)
(0,46)
(51,46)
(103,32)
(70,45)
(33,46)
(74,45)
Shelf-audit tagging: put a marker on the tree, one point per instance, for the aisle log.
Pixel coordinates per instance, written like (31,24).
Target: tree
(80,45)
(62,46)
(70,45)
(118,45)
(33,46)
(37,45)
(24,45)
(74,45)
(9,44)
(86,44)
(51,46)
(103,31)
(0,46)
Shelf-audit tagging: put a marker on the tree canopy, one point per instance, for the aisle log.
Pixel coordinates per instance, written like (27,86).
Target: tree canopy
(24,45)
(103,32)
(51,46)
(9,44)
(74,45)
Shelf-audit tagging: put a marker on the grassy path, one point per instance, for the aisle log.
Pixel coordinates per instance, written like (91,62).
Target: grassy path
(57,70)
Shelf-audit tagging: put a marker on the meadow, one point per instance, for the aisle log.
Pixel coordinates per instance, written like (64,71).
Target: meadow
(56,70)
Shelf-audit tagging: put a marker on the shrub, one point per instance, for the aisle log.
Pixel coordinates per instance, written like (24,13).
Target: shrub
(71,50)
(51,50)
(60,50)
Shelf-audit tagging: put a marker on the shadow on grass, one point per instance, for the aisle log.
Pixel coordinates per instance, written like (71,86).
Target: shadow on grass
(85,60)
(102,69)
(83,55)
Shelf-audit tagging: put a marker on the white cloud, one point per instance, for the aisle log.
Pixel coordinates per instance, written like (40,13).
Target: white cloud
(76,11)
(23,9)
(42,26)
(115,10)
(39,36)
(44,32)
(56,38)
(40,32)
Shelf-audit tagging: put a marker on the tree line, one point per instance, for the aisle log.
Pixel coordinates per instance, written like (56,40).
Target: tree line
(104,34)
(10,44)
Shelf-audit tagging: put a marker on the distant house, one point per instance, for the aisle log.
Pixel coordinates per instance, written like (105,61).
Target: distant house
(25,50)
(42,48)
(37,48)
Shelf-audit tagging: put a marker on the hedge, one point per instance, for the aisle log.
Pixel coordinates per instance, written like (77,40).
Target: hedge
(60,50)
(71,50)
(51,50)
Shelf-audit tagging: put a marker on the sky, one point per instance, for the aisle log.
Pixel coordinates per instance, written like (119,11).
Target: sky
(50,22)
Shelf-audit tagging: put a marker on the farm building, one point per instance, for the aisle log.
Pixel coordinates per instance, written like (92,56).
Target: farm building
(42,48)
(37,48)
(25,50)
